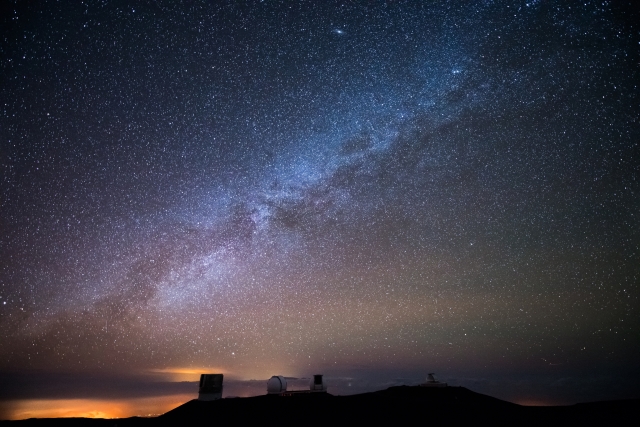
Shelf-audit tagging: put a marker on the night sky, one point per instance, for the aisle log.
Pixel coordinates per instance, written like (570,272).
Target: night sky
(369,190)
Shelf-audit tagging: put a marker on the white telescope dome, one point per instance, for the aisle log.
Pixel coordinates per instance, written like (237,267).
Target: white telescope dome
(276,384)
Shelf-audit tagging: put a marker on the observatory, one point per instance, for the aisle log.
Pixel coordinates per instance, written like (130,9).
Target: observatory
(431,382)
(277,384)
(210,387)
(317,384)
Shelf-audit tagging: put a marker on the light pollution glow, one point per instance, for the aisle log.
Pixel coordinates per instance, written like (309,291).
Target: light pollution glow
(91,408)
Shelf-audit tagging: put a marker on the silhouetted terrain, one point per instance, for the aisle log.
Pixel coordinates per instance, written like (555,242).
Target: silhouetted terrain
(403,405)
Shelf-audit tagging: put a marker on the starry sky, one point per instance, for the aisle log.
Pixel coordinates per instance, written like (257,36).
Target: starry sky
(370,190)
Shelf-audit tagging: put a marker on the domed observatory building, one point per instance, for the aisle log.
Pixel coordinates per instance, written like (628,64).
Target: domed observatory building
(317,384)
(277,384)
(431,382)
(210,387)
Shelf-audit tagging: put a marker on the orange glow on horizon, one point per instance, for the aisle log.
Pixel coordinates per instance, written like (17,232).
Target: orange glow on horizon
(178,374)
(91,408)
(186,374)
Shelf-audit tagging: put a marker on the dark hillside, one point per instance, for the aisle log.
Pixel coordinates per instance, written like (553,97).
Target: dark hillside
(450,406)
(404,405)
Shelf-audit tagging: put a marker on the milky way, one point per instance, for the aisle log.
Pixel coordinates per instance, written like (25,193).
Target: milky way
(363,189)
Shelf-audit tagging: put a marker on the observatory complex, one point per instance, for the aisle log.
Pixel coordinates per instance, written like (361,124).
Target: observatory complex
(211,386)
(277,385)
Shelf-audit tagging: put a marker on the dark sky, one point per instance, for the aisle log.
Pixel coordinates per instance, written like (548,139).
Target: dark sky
(369,190)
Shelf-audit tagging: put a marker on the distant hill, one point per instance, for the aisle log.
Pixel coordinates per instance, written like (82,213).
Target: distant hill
(450,406)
